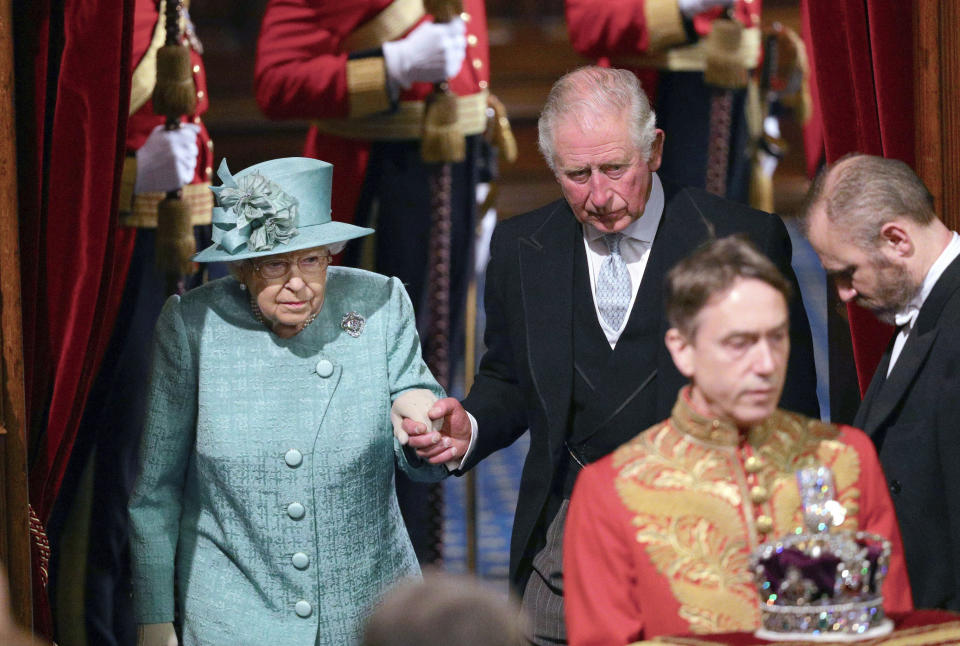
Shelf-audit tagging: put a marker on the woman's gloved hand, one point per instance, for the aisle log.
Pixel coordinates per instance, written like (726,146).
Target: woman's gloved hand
(445,437)
(413,404)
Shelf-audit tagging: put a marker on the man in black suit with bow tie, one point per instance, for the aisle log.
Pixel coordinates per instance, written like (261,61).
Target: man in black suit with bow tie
(871,221)
(575,321)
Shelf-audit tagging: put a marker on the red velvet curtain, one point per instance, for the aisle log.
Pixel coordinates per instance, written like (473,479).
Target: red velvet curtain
(73,89)
(861,52)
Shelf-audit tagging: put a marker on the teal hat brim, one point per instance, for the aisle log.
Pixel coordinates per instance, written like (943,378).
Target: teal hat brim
(307,237)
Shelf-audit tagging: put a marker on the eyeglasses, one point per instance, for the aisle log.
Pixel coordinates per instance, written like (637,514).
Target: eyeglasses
(311,265)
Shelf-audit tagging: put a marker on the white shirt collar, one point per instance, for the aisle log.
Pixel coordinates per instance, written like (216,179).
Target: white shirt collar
(643,228)
(908,315)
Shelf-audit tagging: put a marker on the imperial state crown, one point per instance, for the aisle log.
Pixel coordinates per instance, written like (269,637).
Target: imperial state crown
(822,583)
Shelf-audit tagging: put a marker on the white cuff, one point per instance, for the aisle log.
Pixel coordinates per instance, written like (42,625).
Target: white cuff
(453,465)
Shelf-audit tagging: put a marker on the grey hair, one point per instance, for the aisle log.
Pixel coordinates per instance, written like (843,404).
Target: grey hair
(861,193)
(590,94)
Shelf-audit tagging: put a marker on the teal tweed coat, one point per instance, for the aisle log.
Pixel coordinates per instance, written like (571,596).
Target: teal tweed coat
(267,482)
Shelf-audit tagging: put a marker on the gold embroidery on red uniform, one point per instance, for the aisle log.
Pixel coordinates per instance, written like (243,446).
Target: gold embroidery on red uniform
(695,464)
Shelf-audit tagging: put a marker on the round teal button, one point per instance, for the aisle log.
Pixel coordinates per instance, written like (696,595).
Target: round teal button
(293,458)
(296,511)
(324,368)
(300,561)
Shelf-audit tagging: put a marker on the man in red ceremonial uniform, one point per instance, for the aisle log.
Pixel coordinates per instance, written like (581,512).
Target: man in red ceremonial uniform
(659,532)
(360,72)
(670,44)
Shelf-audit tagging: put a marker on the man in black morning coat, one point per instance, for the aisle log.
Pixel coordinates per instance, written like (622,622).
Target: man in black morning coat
(871,221)
(584,369)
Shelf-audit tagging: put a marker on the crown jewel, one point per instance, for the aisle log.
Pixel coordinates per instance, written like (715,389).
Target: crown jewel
(822,582)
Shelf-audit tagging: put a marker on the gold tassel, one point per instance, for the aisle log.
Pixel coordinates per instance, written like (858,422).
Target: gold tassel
(174,94)
(175,241)
(442,137)
(128,180)
(761,188)
(443,10)
(800,102)
(724,67)
(502,134)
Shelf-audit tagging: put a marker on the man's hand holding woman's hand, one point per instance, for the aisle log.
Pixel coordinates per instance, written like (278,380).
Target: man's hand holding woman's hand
(439,431)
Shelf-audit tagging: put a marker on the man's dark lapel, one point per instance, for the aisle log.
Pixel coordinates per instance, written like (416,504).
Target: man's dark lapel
(682,229)
(879,377)
(546,287)
(914,352)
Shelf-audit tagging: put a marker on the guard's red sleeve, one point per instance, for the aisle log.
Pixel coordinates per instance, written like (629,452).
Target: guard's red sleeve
(607,27)
(599,572)
(301,68)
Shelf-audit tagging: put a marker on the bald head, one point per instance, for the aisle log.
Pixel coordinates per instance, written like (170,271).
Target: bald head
(871,222)
(859,194)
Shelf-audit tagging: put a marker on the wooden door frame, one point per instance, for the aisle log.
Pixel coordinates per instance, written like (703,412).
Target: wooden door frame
(14,510)
(936,63)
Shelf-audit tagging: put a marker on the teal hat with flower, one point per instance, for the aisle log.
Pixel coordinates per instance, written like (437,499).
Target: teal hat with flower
(274,207)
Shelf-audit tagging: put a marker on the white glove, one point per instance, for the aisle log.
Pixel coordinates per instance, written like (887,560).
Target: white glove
(156,635)
(432,52)
(413,404)
(167,159)
(691,8)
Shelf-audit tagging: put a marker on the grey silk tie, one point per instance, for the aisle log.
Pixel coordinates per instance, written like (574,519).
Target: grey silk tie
(613,284)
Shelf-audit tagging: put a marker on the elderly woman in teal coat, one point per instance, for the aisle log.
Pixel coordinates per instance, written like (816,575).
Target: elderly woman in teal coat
(265,512)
